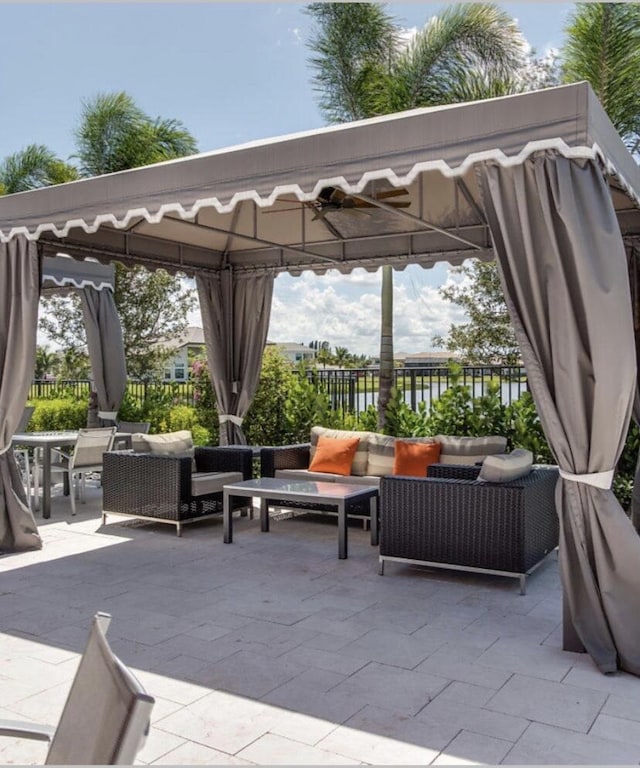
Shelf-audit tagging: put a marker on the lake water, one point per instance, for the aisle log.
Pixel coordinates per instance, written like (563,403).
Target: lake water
(510,391)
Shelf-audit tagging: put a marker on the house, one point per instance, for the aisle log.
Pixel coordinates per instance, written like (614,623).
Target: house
(293,352)
(184,347)
(429,359)
(191,344)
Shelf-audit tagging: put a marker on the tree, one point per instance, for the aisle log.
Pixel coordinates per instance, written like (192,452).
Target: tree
(385,382)
(32,167)
(342,357)
(46,362)
(363,67)
(114,134)
(488,337)
(324,355)
(603,46)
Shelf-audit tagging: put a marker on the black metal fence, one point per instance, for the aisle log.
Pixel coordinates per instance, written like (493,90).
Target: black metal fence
(352,389)
(355,390)
(49,389)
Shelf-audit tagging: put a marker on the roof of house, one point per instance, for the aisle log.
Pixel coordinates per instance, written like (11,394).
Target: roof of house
(291,346)
(192,336)
(430,355)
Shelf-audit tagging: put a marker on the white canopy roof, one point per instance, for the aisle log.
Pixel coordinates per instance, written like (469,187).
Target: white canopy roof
(279,205)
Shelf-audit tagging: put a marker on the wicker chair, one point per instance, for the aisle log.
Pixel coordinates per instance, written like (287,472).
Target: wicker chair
(452,520)
(165,489)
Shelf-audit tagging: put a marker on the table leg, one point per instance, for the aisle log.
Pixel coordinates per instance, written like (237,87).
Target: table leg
(342,530)
(226,517)
(373,509)
(264,515)
(46,481)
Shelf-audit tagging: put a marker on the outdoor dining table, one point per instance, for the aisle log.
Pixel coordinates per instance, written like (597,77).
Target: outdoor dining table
(47,441)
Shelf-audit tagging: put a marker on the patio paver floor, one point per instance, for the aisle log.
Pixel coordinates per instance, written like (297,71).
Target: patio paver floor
(273,651)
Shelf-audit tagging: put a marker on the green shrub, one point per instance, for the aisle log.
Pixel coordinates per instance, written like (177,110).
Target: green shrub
(58,414)
(402,420)
(266,422)
(205,399)
(131,408)
(451,413)
(524,430)
(308,405)
(185,417)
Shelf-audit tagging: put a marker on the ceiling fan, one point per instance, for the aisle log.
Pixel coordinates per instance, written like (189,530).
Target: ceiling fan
(333,199)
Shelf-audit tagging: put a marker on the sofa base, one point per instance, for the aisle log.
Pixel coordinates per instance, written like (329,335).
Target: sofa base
(178,523)
(522,577)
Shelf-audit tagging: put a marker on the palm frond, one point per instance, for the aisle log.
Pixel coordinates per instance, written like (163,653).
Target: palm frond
(114,134)
(353,44)
(468,41)
(603,47)
(32,167)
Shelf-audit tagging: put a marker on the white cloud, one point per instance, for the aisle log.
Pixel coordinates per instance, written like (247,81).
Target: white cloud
(345,309)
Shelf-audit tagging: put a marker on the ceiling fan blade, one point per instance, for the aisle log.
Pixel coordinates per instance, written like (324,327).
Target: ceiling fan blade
(283,210)
(385,193)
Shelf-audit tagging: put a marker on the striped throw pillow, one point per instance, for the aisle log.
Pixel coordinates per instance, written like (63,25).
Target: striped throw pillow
(382,452)
(359,466)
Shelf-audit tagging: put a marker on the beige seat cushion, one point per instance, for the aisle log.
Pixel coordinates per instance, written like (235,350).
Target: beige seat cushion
(469,450)
(205,483)
(359,466)
(369,480)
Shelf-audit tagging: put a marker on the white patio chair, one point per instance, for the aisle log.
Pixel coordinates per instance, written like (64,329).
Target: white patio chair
(128,428)
(27,460)
(86,457)
(106,716)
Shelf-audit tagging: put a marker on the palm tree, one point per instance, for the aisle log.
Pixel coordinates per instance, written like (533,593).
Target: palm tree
(46,360)
(32,167)
(364,67)
(114,134)
(603,47)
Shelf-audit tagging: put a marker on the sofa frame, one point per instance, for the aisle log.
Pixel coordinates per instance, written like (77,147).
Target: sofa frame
(452,520)
(158,488)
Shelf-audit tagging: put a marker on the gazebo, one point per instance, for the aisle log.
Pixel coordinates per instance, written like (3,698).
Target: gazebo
(539,181)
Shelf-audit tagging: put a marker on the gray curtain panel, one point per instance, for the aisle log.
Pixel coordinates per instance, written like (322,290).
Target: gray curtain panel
(235,315)
(564,274)
(635,497)
(106,349)
(19,297)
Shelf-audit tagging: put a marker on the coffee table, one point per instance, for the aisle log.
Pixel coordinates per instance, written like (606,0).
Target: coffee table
(342,496)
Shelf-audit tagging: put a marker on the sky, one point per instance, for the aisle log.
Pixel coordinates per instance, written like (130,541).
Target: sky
(231,72)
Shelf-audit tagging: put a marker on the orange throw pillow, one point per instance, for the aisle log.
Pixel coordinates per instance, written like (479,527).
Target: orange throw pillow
(334,455)
(413,458)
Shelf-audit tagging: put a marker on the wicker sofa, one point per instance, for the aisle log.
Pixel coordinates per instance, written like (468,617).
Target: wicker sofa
(172,489)
(453,520)
(374,459)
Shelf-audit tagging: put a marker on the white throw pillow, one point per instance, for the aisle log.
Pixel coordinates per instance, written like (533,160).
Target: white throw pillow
(505,467)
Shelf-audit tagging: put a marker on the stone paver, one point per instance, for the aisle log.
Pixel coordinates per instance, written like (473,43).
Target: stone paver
(273,651)
(548,702)
(473,748)
(548,745)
